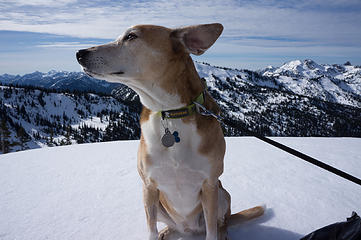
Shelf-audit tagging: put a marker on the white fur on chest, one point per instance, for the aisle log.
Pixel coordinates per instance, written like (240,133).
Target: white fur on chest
(154,97)
(180,170)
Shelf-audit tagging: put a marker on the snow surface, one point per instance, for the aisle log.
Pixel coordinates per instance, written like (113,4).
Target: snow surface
(93,191)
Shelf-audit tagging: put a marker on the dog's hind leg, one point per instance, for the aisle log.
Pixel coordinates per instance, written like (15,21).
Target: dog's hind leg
(164,217)
(246,215)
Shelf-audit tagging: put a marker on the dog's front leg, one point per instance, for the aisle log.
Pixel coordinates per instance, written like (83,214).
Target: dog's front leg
(209,199)
(151,202)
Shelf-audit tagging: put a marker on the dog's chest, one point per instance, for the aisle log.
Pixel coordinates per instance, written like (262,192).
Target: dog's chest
(179,171)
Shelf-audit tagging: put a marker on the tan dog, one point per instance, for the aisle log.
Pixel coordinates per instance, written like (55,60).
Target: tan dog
(181,185)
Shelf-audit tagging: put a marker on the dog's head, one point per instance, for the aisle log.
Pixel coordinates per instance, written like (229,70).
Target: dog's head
(145,54)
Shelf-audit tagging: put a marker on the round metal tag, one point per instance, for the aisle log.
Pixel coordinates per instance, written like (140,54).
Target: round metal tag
(168,139)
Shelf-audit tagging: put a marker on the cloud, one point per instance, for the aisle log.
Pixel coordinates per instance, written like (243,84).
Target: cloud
(50,3)
(71,45)
(108,19)
(267,29)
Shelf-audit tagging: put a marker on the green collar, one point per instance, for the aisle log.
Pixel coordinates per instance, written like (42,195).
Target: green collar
(182,112)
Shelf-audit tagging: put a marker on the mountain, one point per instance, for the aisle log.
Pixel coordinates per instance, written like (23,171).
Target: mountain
(93,191)
(271,103)
(59,80)
(332,83)
(300,98)
(33,118)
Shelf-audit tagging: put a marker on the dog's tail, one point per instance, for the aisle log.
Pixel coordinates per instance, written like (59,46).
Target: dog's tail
(246,215)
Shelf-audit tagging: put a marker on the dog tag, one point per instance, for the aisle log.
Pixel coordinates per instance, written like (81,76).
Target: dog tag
(168,139)
(176,137)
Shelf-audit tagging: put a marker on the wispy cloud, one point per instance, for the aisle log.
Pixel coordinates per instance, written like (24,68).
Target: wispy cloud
(107,19)
(40,2)
(72,45)
(290,27)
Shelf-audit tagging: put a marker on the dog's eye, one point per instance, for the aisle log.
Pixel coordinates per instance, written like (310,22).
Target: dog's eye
(130,36)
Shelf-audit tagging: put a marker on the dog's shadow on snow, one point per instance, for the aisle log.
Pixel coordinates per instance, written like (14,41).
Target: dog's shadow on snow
(254,230)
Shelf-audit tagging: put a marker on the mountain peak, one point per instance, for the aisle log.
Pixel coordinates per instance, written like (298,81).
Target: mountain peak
(293,63)
(298,65)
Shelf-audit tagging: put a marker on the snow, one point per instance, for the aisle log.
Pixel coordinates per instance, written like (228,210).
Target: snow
(334,83)
(56,106)
(93,191)
(205,71)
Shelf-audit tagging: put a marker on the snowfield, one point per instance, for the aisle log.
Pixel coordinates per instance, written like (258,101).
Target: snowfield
(93,191)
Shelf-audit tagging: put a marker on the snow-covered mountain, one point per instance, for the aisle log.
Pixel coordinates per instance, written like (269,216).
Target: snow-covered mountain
(33,118)
(59,80)
(265,104)
(300,98)
(93,191)
(333,83)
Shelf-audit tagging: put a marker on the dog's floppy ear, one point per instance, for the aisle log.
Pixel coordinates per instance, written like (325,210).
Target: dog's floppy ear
(197,39)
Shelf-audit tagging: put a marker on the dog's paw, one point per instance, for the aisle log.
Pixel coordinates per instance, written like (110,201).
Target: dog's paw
(164,234)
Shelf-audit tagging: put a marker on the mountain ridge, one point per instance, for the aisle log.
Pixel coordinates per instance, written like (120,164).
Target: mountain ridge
(59,80)
(263,102)
(336,83)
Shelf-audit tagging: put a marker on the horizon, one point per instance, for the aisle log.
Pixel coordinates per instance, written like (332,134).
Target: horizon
(39,35)
(216,66)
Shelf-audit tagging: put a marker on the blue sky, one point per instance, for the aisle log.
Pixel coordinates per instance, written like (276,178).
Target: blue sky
(45,34)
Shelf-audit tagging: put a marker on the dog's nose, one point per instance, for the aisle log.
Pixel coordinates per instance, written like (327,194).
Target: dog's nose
(81,55)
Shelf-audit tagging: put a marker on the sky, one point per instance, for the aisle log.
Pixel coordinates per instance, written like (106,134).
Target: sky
(44,35)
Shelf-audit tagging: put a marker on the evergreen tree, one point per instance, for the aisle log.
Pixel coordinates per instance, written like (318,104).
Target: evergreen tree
(23,137)
(68,135)
(5,137)
(50,140)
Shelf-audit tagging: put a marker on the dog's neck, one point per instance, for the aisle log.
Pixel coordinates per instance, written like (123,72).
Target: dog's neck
(178,86)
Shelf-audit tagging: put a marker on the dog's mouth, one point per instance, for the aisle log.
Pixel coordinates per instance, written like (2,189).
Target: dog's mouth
(117,73)
(90,73)
(95,74)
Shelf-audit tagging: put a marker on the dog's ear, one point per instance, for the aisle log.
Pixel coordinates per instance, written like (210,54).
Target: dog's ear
(197,39)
